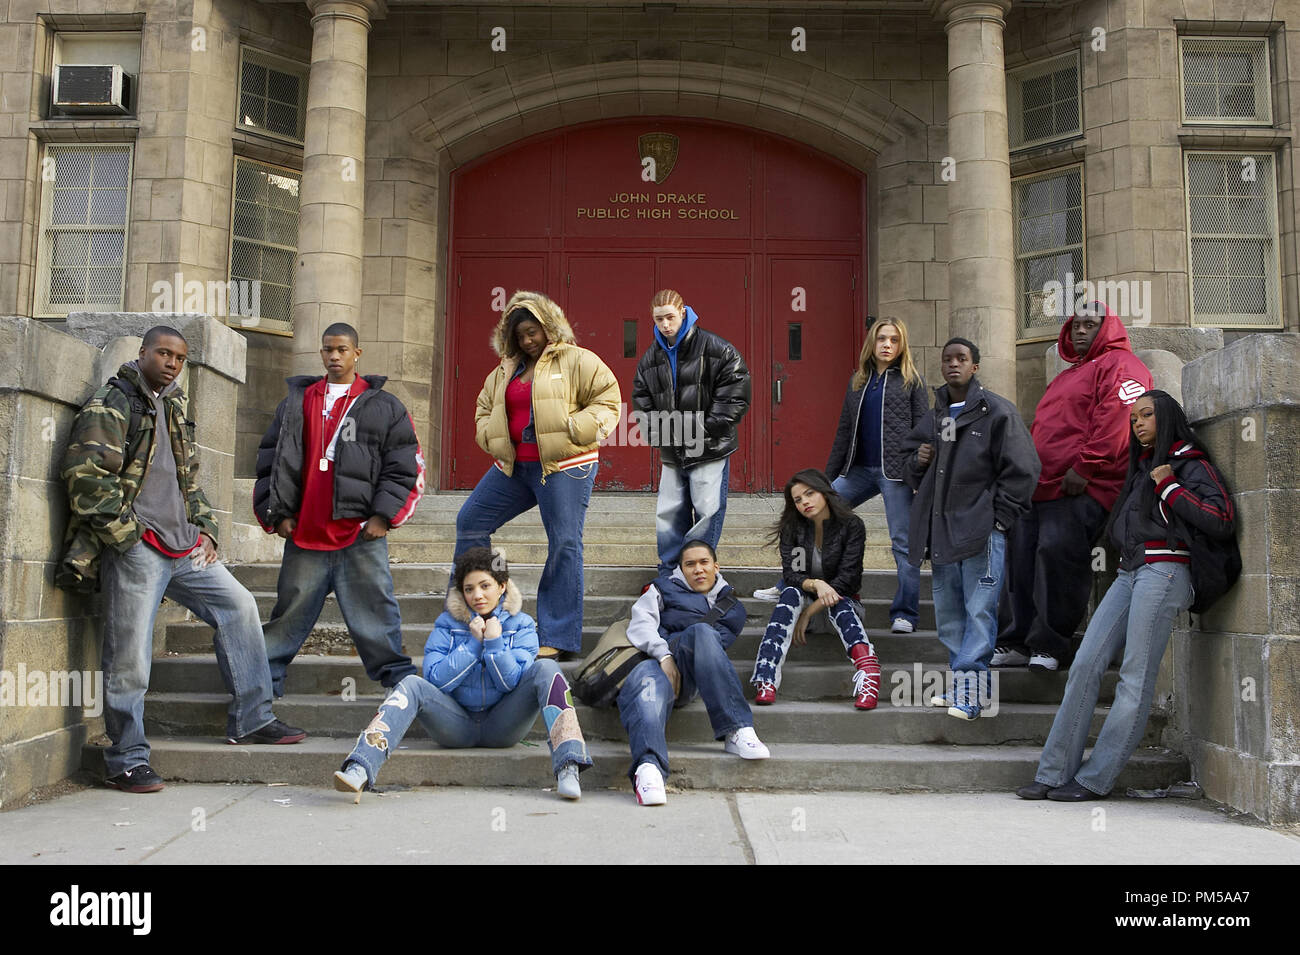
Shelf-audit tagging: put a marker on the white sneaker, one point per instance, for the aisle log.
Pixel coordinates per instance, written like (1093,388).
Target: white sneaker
(649,785)
(770,594)
(745,744)
(1008,657)
(1043,661)
(901,625)
(566,782)
(351,779)
(943,699)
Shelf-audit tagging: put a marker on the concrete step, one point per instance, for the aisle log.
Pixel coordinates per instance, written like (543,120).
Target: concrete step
(597,610)
(922,646)
(786,721)
(802,681)
(696,765)
(598,579)
(875,556)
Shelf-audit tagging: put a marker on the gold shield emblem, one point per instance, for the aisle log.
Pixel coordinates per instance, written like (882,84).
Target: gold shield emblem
(662,148)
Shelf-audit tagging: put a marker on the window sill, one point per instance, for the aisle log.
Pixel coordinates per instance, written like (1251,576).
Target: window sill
(76,129)
(1233,137)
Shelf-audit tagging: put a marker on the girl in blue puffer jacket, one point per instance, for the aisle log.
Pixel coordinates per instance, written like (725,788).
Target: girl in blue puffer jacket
(482,683)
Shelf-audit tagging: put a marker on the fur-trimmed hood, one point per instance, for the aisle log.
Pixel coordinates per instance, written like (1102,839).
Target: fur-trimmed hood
(512,601)
(549,315)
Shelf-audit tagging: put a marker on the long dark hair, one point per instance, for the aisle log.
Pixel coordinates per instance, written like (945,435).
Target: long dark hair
(790,522)
(1172,428)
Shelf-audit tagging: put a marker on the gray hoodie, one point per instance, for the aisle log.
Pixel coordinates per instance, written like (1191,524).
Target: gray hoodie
(160,505)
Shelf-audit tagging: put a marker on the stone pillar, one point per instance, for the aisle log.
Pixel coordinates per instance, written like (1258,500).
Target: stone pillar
(331,199)
(981,253)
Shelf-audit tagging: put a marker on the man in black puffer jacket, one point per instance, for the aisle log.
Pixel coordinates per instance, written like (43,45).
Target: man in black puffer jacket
(690,392)
(339,466)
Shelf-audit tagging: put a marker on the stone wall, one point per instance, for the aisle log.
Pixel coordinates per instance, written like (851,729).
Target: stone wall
(45,630)
(1233,691)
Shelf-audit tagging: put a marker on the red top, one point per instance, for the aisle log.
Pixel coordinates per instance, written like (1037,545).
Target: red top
(152,540)
(519,411)
(317,529)
(1082,421)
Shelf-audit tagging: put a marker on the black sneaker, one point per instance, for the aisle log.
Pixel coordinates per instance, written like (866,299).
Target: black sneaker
(137,779)
(274,733)
(1034,790)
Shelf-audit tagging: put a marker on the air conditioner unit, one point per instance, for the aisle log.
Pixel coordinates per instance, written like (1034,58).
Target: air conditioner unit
(86,89)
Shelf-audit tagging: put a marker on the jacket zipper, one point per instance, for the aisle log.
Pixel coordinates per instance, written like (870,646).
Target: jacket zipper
(853,443)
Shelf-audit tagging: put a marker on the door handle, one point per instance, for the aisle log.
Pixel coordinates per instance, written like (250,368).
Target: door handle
(777,389)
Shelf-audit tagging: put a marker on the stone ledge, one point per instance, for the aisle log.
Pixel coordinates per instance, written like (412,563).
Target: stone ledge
(1255,371)
(212,343)
(44,360)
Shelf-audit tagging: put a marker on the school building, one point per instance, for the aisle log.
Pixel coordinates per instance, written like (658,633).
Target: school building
(968,166)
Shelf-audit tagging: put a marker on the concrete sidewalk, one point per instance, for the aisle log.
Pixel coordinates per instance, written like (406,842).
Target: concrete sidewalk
(253,823)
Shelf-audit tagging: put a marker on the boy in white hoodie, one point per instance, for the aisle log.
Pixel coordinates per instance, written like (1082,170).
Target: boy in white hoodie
(684,623)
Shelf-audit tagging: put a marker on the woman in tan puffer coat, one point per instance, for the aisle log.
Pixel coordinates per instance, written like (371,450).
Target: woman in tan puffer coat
(541,415)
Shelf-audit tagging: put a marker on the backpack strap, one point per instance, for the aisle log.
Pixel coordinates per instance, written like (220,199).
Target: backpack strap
(721,607)
(136,402)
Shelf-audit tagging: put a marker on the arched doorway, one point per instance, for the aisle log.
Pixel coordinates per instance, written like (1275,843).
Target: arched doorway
(764,238)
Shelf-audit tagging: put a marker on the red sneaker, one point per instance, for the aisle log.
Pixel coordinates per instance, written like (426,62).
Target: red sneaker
(766,694)
(866,678)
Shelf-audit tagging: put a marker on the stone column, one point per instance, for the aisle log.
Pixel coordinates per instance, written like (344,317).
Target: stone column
(331,199)
(981,254)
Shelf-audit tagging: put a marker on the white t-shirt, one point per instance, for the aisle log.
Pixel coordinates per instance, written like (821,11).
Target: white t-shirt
(333,393)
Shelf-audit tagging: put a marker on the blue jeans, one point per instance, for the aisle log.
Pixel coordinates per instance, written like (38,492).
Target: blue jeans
(966,612)
(646,699)
(359,576)
(780,631)
(133,585)
(562,500)
(862,483)
(692,505)
(454,727)
(1136,616)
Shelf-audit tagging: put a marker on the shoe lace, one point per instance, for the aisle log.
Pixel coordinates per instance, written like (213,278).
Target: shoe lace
(864,683)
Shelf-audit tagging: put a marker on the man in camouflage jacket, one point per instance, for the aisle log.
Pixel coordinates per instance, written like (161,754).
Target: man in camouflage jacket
(141,529)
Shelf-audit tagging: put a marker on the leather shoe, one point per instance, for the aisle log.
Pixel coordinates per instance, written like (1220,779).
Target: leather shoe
(1034,791)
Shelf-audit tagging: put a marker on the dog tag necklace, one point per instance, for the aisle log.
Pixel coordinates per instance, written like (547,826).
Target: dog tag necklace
(327,414)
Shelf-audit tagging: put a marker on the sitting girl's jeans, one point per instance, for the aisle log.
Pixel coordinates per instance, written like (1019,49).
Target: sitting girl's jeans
(542,688)
(780,631)
(1136,615)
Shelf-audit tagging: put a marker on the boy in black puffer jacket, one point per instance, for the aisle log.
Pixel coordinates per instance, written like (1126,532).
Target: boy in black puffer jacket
(339,467)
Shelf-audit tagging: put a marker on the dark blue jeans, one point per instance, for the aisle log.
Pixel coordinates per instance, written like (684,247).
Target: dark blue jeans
(562,500)
(359,576)
(646,700)
(861,484)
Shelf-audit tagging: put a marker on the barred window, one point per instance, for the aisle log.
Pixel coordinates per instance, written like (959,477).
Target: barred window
(84,210)
(1226,80)
(272,94)
(1048,220)
(1233,237)
(1043,102)
(263,245)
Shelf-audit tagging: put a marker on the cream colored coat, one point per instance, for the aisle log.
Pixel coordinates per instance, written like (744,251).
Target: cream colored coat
(576,397)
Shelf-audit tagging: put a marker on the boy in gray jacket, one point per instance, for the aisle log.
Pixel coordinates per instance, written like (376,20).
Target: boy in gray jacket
(974,468)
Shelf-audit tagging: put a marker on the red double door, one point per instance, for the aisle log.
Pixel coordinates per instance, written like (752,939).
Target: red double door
(792,306)
(794,323)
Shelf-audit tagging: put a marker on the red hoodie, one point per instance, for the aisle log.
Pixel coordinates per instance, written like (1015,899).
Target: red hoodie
(1083,420)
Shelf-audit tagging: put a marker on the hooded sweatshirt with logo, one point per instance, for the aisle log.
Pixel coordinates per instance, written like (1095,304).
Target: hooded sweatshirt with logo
(1082,422)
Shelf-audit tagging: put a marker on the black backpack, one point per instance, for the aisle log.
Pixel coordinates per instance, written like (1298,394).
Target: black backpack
(138,411)
(1215,566)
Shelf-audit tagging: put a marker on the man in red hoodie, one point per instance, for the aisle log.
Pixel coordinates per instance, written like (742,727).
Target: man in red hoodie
(1081,433)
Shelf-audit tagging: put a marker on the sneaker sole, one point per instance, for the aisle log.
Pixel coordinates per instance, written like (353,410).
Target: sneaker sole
(962,714)
(282,741)
(1044,668)
(651,802)
(156,787)
(749,754)
(865,706)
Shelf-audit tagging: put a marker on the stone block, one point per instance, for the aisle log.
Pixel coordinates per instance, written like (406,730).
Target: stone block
(1243,609)
(1252,693)
(1166,370)
(1254,370)
(44,360)
(1231,777)
(30,764)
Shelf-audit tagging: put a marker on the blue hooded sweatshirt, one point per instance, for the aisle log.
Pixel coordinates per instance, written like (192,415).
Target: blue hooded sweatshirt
(688,322)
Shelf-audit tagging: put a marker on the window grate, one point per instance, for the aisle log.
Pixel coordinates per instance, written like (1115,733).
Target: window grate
(1233,238)
(1048,212)
(1226,80)
(264,241)
(272,94)
(1043,102)
(83,252)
